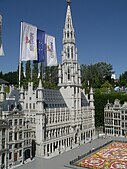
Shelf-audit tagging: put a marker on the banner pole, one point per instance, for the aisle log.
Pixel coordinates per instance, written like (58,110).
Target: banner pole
(20,56)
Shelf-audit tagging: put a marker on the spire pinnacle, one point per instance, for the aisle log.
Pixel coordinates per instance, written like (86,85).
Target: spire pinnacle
(68,2)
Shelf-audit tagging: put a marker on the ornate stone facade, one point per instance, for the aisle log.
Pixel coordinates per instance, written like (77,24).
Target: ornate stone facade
(59,120)
(15,132)
(115,118)
(3,145)
(64,118)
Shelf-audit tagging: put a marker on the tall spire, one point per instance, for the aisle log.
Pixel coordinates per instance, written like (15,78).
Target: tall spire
(68,32)
(69,72)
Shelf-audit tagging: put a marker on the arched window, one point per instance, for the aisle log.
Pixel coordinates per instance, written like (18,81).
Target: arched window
(69,76)
(68,52)
(72,52)
(68,20)
(71,34)
(67,34)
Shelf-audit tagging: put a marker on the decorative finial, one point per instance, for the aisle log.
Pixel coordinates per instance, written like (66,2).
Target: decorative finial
(68,2)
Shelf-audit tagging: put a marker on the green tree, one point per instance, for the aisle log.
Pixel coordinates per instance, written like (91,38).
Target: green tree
(104,71)
(42,71)
(28,74)
(1,75)
(96,74)
(123,79)
(11,77)
(35,79)
(22,74)
(51,77)
(106,87)
(28,71)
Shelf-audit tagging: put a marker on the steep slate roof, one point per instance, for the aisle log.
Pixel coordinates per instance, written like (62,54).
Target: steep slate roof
(14,94)
(84,101)
(53,98)
(3,81)
(13,99)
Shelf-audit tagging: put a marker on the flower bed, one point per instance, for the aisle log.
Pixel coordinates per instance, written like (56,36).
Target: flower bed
(113,156)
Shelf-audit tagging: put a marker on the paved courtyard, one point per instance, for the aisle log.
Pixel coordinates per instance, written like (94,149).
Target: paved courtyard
(59,162)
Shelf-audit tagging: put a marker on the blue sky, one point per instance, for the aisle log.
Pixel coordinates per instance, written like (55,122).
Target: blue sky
(100,29)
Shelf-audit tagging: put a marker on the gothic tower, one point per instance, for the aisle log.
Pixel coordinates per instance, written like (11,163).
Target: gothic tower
(69,70)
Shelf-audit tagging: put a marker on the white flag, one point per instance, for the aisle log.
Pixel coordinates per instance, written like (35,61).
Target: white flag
(28,42)
(50,50)
(1,46)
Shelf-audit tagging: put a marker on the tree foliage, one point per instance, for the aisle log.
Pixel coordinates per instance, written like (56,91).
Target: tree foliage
(96,74)
(28,71)
(28,74)
(41,71)
(123,79)
(1,75)
(51,77)
(35,79)
(106,87)
(11,77)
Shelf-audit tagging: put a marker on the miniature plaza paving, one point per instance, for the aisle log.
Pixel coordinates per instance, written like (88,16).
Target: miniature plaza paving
(62,161)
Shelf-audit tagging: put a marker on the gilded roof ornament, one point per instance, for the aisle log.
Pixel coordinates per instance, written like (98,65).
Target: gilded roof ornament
(68,2)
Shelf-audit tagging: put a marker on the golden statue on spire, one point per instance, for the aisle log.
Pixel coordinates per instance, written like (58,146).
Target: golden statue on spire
(68,2)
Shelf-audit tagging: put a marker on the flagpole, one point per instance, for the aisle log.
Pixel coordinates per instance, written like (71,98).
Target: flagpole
(20,56)
(19,73)
(43,71)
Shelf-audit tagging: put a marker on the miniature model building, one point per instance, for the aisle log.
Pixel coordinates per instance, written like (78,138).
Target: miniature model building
(65,117)
(16,143)
(55,120)
(115,118)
